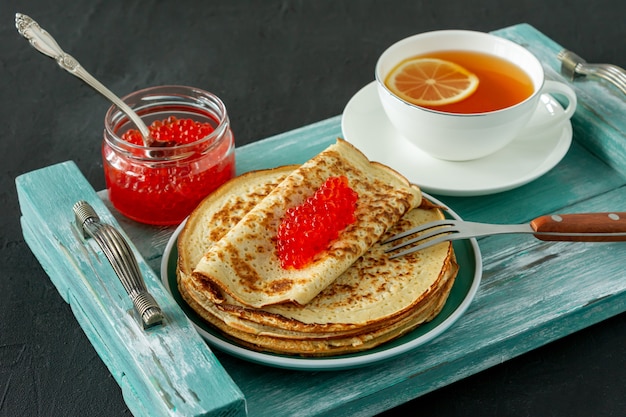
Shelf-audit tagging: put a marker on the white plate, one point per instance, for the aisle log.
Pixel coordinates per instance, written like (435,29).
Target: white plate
(366,126)
(462,293)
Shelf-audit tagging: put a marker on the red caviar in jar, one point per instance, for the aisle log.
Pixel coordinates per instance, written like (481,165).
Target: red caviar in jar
(309,228)
(162,185)
(172,129)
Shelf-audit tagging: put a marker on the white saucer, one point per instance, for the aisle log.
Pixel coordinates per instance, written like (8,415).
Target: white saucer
(366,126)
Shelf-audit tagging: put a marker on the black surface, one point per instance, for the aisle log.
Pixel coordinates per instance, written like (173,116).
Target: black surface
(277,65)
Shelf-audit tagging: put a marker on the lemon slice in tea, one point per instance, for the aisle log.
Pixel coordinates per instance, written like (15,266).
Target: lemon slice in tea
(431,81)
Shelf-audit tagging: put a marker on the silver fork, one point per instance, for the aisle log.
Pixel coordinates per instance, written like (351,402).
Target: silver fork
(582,227)
(573,65)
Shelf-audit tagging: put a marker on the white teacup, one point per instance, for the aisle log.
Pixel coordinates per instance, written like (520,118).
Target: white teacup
(467,136)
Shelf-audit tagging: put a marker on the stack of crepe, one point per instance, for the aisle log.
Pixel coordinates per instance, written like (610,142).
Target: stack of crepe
(350,298)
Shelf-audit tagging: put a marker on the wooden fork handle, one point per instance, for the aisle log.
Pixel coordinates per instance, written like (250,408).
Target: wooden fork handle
(583,227)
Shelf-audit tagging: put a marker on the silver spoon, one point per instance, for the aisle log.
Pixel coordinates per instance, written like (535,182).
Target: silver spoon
(44,43)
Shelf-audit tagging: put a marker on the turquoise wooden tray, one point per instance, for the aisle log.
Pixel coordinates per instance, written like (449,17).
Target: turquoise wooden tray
(531,293)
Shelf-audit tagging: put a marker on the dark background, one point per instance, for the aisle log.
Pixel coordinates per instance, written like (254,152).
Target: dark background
(277,65)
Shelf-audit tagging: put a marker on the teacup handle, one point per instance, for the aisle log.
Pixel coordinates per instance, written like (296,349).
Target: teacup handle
(555,119)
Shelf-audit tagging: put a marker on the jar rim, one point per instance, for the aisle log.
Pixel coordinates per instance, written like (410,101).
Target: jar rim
(143,100)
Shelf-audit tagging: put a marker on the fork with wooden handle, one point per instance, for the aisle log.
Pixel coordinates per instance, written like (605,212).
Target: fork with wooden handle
(581,227)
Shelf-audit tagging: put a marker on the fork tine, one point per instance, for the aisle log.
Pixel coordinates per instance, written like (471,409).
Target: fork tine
(425,245)
(430,233)
(419,229)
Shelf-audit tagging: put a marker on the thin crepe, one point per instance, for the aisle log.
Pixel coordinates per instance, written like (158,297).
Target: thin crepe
(375,300)
(244,262)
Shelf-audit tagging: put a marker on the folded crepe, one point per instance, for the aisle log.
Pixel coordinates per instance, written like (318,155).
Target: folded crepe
(375,300)
(244,262)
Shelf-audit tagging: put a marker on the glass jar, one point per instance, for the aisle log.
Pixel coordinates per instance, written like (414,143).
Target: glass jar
(162,185)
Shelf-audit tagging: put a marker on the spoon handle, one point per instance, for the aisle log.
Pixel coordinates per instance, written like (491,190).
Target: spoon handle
(45,43)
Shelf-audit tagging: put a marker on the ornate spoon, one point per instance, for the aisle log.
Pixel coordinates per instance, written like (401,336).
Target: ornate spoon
(44,43)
